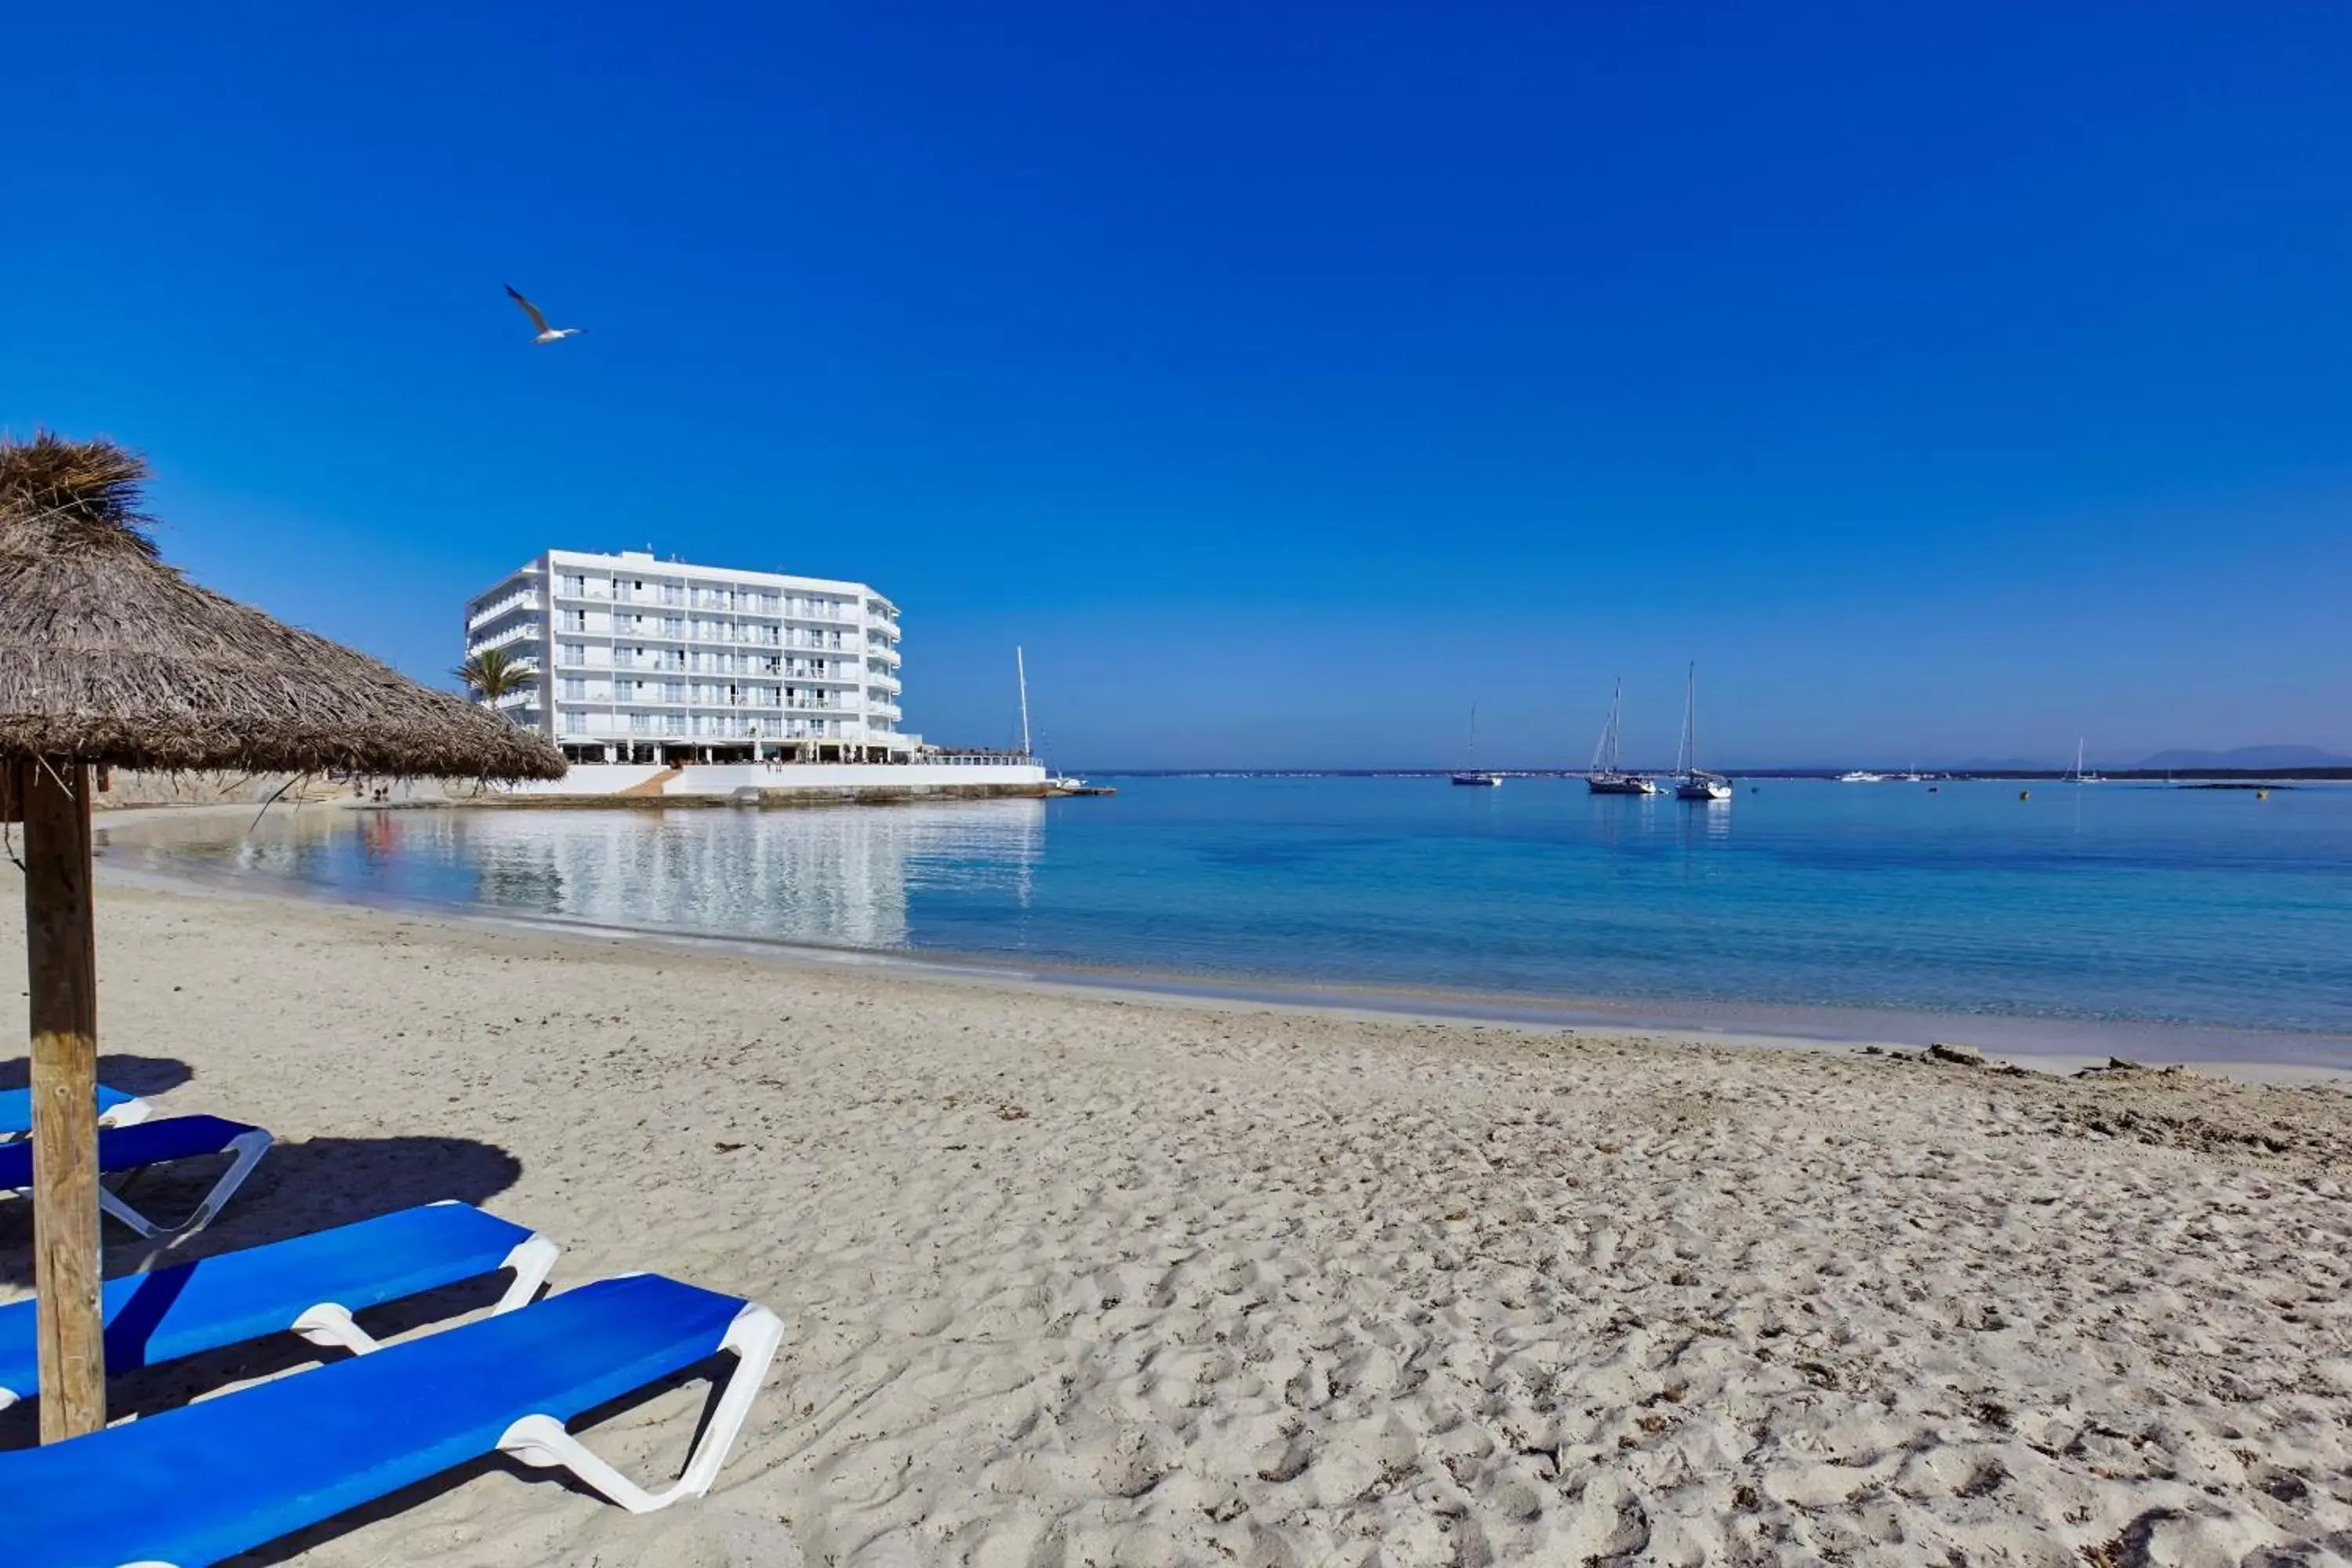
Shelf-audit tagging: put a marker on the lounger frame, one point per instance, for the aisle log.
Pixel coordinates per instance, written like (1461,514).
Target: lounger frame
(245,1151)
(542,1442)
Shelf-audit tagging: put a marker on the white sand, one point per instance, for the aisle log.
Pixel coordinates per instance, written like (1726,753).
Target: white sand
(1078,1281)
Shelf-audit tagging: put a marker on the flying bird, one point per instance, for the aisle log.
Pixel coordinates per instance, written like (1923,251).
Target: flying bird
(547,335)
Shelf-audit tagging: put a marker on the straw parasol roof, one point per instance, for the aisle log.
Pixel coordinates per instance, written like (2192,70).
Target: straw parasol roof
(109,655)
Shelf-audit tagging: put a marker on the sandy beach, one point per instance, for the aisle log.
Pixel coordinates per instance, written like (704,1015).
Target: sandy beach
(1088,1279)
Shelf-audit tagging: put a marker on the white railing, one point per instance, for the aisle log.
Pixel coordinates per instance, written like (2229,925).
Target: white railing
(527,600)
(527,632)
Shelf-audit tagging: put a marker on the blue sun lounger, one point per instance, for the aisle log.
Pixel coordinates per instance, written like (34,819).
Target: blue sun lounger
(206,1482)
(115,1109)
(148,1143)
(309,1285)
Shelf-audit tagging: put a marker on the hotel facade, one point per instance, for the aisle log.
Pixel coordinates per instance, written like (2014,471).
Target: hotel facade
(633,659)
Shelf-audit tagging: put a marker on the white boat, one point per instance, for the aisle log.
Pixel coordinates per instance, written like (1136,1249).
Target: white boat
(1691,781)
(1860,776)
(1471,777)
(2078,775)
(1606,777)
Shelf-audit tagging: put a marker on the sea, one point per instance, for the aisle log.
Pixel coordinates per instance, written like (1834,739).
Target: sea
(2049,915)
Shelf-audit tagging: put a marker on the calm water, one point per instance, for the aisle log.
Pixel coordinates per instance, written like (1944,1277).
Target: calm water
(2102,903)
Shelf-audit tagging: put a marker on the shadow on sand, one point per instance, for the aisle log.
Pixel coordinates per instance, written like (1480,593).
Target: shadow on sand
(298,1187)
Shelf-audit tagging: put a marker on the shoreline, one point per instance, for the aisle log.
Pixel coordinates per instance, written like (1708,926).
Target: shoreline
(2049,1046)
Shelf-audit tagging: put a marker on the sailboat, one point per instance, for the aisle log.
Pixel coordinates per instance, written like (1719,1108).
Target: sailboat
(1607,777)
(1691,781)
(2078,775)
(1471,776)
(1055,783)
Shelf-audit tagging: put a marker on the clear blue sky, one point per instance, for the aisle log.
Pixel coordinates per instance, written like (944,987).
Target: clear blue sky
(1946,384)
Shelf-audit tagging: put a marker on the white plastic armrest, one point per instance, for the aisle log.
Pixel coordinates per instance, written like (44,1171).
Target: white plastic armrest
(129,1114)
(541,1441)
(249,1147)
(330,1325)
(533,1259)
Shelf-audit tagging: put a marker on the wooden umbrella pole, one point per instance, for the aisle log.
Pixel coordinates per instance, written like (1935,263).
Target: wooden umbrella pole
(62,968)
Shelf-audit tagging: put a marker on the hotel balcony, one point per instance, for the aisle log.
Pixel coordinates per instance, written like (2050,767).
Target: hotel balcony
(524,632)
(512,604)
(709,637)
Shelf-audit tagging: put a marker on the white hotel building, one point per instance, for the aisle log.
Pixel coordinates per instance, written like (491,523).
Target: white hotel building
(639,660)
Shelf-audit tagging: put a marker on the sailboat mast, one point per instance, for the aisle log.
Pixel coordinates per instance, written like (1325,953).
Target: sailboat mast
(1021,675)
(1690,727)
(1609,741)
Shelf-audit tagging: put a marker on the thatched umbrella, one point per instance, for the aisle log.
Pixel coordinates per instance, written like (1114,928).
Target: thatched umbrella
(111,658)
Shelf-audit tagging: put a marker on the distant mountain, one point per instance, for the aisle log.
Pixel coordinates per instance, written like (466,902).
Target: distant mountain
(2252,757)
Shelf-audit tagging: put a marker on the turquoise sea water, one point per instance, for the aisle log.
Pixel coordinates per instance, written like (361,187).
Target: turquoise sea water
(2096,902)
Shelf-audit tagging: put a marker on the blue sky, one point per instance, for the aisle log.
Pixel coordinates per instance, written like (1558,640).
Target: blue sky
(1947,384)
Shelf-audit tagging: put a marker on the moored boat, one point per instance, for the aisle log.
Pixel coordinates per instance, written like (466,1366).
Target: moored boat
(1473,776)
(1605,776)
(1691,781)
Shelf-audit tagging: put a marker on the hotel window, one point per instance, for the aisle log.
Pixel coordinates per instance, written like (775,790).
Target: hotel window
(572,688)
(575,586)
(574,653)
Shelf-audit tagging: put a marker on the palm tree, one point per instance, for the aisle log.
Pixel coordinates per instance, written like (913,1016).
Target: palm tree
(492,674)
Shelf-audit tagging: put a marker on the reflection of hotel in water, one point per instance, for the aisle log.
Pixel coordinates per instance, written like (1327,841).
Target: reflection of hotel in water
(830,877)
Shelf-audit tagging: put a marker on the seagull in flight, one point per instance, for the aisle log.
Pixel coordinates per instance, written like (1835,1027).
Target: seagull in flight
(547,335)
